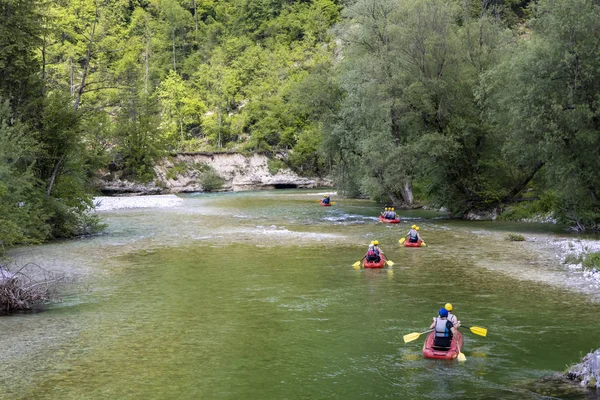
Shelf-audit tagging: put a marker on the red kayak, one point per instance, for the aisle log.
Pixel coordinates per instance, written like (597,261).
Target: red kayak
(380,264)
(325,205)
(429,351)
(409,244)
(389,221)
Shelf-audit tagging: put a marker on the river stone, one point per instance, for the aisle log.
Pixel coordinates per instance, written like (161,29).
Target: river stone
(587,372)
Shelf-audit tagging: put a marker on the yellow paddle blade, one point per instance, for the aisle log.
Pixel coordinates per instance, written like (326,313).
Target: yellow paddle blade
(390,263)
(461,357)
(356,264)
(401,240)
(411,336)
(423,244)
(333,203)
(478,330)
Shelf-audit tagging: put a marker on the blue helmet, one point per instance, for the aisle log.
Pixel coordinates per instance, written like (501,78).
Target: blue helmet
(443,312)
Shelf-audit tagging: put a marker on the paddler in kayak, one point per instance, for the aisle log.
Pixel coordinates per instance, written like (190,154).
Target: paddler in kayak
(444,329)
(391,214)
(375,244)
(451,317)
(413,235)
(326,199)
(372,256)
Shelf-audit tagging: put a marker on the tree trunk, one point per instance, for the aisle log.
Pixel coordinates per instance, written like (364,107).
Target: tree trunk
(196,15)
(174,60)
(407,193)
(86,65)
(521,185)
(147,62)
(220,120)
(53,176)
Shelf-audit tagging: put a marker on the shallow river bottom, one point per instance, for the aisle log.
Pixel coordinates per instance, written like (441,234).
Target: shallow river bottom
(253,296)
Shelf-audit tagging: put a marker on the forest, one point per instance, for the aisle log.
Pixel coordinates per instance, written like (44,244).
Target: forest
(474,106)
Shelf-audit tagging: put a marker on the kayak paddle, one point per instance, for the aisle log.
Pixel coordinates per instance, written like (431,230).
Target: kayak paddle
(461,356)
(476,330)
(390,263)
(401,240)
(356,265)
(423,244)
(414,336)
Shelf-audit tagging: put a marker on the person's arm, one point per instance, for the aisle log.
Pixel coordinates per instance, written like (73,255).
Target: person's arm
(433,324)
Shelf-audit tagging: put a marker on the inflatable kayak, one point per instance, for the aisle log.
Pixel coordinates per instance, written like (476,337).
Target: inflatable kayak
(429,351)
(389,221)
(325,205)
(380,264)
(409,244)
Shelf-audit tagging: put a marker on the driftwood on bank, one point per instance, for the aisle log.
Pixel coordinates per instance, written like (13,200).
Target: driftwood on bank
(27,288)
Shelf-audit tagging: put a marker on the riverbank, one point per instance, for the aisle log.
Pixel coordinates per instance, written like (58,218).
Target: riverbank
(588,371)
(110,203)
(572,255)
(211,172)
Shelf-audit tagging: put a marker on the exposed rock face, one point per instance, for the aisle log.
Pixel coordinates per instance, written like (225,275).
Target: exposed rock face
(186,172)
(588,371)
(482,215)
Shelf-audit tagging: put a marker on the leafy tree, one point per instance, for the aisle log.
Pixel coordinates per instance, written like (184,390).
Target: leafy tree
(548,102)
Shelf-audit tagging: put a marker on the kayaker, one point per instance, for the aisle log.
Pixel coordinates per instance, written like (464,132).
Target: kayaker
(444,329)
(385,213)
(451,317)
(375,244)
(413,235)
(392,214)
(326,199)
(372,254)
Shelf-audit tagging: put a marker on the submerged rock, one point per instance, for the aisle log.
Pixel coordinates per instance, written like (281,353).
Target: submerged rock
(588,371)
(558,386)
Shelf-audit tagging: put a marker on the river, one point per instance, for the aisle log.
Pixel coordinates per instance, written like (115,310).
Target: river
(252,295)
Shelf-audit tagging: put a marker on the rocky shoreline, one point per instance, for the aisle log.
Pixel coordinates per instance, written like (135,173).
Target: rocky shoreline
(186,173)
(572,254)
(588,371)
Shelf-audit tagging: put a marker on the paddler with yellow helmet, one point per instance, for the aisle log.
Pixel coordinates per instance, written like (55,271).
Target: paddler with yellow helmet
(379,252)
(413,235)
(451,317)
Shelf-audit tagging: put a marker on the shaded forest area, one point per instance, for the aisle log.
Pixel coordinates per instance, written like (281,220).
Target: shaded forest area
(487,105)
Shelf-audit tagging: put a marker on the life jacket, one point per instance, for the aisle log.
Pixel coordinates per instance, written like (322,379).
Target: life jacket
(413,235)
(441,330)
(372,254)
(452,318)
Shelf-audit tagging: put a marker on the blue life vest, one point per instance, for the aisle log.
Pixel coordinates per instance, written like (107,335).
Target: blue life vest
(441,328)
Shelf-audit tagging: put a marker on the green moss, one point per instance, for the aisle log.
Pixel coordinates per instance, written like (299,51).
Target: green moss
(573,259)
(591,260)
(274,165)
(211,181)
(514,237)
(176,170)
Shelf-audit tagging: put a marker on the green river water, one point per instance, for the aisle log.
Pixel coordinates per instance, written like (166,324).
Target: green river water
(253,296)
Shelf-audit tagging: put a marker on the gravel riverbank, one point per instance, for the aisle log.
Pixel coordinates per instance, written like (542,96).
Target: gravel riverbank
(108,203)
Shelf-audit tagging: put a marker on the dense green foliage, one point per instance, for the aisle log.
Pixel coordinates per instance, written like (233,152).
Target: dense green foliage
(96,82)
(470,107)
